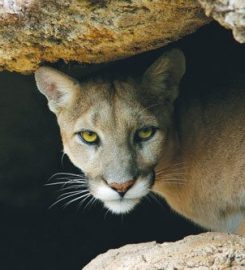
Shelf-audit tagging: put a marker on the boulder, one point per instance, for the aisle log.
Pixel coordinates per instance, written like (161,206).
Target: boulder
(229,13)
(201,252)
(89,31)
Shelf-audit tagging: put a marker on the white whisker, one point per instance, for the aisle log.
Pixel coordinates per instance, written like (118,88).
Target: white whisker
(73,187)
(174,166)
(174,182)
(171,170)
(106,213)
(71,179)
(170,174)
(62,159)
(71,192)
(82,201)
(62,199)
(90,203)
(171,179)
(62,183)
(66,174)
(80,197)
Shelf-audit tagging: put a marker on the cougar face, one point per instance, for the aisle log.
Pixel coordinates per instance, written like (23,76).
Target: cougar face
(116,131)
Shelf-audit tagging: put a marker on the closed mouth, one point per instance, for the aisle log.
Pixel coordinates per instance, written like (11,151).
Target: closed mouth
(131,199)
(117,203)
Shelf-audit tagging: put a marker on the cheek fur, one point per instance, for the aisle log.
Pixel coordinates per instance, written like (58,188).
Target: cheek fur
(85,157)
(150,153)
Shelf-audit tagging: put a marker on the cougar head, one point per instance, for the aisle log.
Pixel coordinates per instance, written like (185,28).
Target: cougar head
(116,130)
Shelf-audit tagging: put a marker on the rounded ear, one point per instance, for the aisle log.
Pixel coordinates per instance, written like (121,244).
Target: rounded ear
(59,88)
(162,78)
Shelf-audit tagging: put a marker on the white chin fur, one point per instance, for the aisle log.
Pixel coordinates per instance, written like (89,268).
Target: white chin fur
(121,206)
(112,199)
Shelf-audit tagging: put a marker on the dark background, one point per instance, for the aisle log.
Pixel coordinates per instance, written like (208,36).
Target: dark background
(35,237)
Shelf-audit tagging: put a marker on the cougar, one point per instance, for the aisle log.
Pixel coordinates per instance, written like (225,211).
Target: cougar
(134,135)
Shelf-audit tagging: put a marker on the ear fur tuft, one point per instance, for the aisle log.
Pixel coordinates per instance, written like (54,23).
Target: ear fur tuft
(58,87)
(162,78)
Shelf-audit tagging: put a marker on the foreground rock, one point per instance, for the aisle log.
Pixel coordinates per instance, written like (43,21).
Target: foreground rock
(205,251)
(89,31)
(229,13)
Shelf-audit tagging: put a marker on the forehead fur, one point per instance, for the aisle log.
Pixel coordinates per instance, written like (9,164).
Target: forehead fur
(108,103)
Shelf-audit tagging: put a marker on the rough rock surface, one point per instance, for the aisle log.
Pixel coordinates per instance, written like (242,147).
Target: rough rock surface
(89,31)
(203,252)
(229,13)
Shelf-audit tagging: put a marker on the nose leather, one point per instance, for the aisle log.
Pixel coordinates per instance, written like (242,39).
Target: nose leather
(122,188)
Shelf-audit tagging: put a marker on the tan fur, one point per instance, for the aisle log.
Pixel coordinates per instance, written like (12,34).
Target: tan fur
(199,151)
(212,151)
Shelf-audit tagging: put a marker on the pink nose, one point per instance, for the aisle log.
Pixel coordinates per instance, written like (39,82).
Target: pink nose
(122,188)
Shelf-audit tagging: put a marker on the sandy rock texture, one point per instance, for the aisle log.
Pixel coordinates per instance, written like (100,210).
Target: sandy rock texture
(89,31)
(229,13)
(208,251)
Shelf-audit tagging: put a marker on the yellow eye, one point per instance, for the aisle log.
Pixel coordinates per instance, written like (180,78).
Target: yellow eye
(89,136)
(145,133)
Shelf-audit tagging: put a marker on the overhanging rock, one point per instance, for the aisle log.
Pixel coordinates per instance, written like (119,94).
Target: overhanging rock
(89,31)
(229,13)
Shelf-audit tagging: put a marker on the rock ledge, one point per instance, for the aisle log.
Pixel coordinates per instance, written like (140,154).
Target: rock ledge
(203,252)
